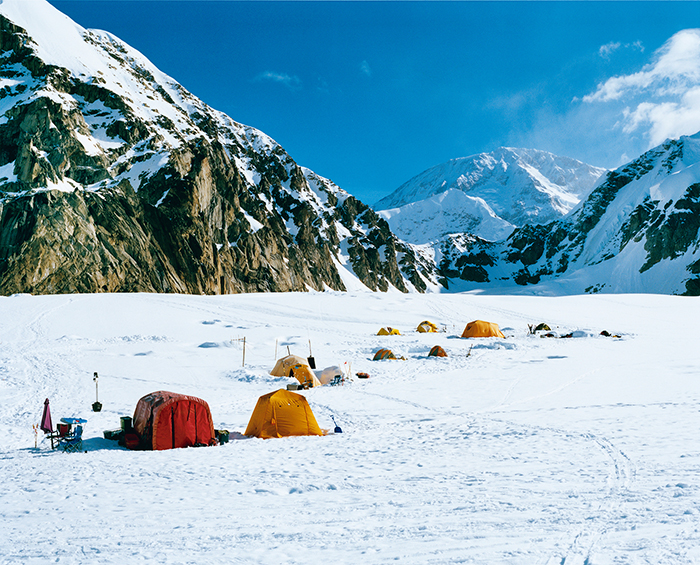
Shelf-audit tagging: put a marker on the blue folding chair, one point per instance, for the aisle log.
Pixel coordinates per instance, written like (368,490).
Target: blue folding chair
(72,442)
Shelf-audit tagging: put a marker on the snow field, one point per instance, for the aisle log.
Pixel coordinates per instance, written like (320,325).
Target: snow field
(527,450)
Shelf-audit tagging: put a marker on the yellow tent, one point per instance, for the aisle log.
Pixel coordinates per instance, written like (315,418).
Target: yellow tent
(286,364)
(388,331)
(282,413)
(427,327)
(479,328)
(297,367)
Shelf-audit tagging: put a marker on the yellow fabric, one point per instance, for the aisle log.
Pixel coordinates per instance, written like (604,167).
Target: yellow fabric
(280,414)
(304,375)
(388,331)
(427,327)
(286,364)
(479,328)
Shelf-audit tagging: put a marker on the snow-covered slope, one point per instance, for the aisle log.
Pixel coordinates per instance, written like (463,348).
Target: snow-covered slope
(636,232)
(111,170)
(519,185)
(513,451)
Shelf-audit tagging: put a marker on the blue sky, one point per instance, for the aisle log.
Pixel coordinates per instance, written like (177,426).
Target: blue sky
(370,94)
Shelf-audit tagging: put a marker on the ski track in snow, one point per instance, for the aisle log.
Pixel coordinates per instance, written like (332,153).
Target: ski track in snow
(524,450)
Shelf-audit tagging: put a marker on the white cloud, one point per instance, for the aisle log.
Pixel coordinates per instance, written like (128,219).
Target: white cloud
(609,48)
(662,100)
(291,82)
(365,69)
(606,50)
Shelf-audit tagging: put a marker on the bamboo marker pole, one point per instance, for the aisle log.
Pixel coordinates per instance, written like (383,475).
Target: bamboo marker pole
(275,351)
(243,365)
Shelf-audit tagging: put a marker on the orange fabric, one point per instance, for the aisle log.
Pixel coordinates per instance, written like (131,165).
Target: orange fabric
(282,413)
(437,351)
(383,354)
(479,328)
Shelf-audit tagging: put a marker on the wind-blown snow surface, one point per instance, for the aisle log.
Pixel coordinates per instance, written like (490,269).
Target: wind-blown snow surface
(529,450)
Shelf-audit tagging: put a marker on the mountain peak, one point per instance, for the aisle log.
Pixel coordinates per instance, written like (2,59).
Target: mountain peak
(520,185)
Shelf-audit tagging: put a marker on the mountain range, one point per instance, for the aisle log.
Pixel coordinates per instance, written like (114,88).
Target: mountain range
(115,178)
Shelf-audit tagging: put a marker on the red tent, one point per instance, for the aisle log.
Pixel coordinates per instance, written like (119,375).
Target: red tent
(165,420)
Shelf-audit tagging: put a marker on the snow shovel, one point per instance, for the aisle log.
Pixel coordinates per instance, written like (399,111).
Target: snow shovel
(312,361)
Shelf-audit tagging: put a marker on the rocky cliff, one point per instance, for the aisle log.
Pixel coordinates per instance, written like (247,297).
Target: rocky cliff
(114,178)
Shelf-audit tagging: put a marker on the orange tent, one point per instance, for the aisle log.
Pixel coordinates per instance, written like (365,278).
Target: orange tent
(166,420)
(388,331)
(282,413)
(383,354)
(479,328)
(437,351)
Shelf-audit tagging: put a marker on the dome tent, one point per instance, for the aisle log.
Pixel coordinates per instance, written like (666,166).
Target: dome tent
(297,367)
(282,413)
(426,327)
(479,328)
(437,351)
(166,420)
(383,354)
(388,331)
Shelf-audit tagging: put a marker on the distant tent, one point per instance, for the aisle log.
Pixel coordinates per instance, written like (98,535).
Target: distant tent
(427,327)
(388,331)
(297,367)
(286,364)
(383,354)
(282,413)
(437,351)
(166,420)
(479,328)
(541,327)
(330,374)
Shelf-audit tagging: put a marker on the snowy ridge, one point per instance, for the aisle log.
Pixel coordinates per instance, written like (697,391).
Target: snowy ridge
(449,212)
(519,185)
(638,231)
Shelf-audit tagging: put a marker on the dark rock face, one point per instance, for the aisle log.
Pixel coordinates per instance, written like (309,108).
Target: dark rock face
(96,197)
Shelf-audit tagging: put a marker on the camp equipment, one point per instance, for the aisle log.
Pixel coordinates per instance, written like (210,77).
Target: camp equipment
(46,423)
(331,375)
(295,366)
(437,351)
(427,327)
(337,429)
(166,420)
(383,354)
(312,361)
(282,413)
(97,405)
(388,331)
(479,328)
(70,438)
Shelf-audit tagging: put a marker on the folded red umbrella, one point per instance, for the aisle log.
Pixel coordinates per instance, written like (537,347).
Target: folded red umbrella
(46,423)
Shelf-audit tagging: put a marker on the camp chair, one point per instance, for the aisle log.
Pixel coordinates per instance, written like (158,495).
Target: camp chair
(73,441)
(61,432)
